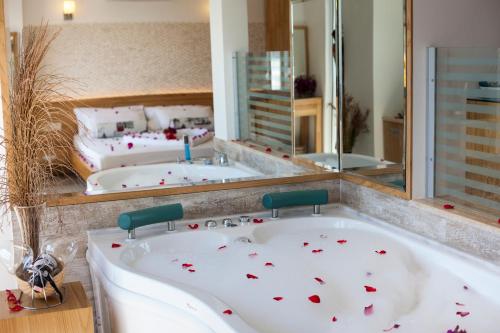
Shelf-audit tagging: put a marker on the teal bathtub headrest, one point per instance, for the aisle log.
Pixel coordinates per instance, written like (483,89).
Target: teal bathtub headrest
(295,198)
(140,218)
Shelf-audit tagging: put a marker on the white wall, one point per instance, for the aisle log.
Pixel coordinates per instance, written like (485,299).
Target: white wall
(388,67)
(358,62)
(445,23)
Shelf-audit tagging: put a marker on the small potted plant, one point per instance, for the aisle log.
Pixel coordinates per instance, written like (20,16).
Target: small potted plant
(305,86)
(30,160)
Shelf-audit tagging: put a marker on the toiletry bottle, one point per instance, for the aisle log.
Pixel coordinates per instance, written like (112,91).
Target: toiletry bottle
(187,148)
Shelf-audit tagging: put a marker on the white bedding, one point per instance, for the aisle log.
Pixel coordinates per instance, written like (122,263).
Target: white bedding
(102,154)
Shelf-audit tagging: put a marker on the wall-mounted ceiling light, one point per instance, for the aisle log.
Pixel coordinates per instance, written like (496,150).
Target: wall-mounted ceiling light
(69,10)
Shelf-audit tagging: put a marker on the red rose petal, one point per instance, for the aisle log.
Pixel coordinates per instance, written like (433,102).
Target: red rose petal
(342,241)
(317,251)
(130,145)
(463,313)
(193,226)
(381,252)
(498,221)
(334,319)
(315,299)
(258,220)
(228,312)
(319,280)
(268,150)
(186,265)
(277,299)
(370,289)
(269,264)
(305,244)
(191,270)
(286,157)
(369,310)
(252,277)
(115,245)
(395,326)
(16,308)
(448,206)
(162,183)
(222,247)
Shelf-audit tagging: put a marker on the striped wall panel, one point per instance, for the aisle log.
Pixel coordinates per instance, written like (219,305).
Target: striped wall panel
(468,127)
(264,98)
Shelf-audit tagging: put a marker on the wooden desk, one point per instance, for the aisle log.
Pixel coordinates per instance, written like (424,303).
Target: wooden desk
(304,109)
(75,315)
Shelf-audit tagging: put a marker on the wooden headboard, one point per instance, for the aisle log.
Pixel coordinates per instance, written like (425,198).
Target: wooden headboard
(166,99)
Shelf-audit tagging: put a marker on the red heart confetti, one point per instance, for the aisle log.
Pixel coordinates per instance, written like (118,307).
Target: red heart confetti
(334,319)
(394,327)
(369,310)
(269,264)
(253,255)
(381,252)
(305,244)
(162,183)
(448,206)
(319,280)
(252,277)
(459,304)
(186,265)
(342,241)
(222,247)
(258,221)
(315,299)
(130,145)
(193,226)
(268,150)
(317,251)
(191,270)
(277,299)
(228,312)
(286,157)
(463,313)
(115,245)
(370,289)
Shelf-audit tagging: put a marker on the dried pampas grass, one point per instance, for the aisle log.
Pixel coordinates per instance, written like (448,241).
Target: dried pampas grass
(32,157)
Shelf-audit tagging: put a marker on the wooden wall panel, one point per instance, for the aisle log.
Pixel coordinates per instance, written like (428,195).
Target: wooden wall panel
(277,25)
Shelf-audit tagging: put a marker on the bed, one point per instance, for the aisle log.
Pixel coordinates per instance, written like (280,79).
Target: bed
(94,154)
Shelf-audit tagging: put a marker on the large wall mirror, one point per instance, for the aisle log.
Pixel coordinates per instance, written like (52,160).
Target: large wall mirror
(140,86)
(358,78)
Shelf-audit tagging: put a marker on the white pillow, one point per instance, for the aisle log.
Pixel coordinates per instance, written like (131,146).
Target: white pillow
(110,122)
(162,117)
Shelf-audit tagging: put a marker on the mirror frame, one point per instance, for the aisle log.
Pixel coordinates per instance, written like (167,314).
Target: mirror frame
(405,193)
(315,175)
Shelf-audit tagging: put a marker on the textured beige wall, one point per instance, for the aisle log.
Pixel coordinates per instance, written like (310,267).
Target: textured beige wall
(133,58)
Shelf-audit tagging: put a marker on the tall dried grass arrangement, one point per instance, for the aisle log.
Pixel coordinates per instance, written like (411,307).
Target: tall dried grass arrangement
(31,140)
(354,122)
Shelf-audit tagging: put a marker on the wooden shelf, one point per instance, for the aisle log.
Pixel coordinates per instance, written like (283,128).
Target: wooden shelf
(75,315)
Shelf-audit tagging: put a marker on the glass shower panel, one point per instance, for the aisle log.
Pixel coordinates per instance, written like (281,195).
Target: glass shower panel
(265,99)
(467,147)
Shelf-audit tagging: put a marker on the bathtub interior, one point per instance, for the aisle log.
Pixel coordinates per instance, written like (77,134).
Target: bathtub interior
(414,281)
(165,175)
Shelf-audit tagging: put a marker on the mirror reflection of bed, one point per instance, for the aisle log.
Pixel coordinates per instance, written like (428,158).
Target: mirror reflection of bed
(141,90)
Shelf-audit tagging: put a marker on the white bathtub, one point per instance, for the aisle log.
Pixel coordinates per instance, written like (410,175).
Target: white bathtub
(420,286)
(349,161)
(164,175)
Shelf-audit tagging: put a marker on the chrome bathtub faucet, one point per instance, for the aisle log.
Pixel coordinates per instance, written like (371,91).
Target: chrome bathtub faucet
(222,159)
